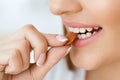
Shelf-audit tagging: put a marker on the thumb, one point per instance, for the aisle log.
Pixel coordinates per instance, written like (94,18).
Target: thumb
(53,56)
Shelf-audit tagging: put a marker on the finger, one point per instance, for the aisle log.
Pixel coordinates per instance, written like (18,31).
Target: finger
(37,41)
(55,39)
(54,55)
(2,67)
(12,61)
(24,47)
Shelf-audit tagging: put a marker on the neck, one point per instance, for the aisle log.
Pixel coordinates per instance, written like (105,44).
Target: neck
(109,72)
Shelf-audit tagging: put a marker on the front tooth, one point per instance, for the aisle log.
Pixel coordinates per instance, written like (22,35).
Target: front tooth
(70,29)
(89,29)
(83,36)
(82,30)
(88,34)
(76,30)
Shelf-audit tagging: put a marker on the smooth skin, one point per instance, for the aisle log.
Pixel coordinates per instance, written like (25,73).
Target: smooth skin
(15,54)
(101,57)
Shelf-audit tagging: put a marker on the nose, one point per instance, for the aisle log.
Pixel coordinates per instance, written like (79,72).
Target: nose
(59,7)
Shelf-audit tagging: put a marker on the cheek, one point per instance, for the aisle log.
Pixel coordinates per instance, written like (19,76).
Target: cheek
(105,11)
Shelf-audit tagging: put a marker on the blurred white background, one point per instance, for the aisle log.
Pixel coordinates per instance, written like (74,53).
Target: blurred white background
(14,14)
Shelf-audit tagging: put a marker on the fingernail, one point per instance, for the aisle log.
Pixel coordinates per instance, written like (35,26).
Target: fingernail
(32,60)
(68,51)
(41,59)
(61,38)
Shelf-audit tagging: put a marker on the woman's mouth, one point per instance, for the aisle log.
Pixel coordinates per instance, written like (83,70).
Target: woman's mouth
(86,33)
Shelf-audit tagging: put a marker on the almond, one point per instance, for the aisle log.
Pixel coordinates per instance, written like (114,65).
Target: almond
(71,37)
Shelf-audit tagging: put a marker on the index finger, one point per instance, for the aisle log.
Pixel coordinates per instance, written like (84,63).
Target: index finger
(37,41)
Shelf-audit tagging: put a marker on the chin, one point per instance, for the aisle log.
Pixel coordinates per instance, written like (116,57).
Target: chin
(85,63)
(86,66)
(94,60)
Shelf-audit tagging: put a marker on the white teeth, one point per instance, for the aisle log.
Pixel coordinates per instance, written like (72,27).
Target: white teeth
(83,36)
(89,29)
(76,30)
(79,36)
(88,34)
(70,29)
(82,30)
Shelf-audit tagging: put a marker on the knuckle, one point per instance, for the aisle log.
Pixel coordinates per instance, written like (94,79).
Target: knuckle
(25,44)
(15,52)
(16,56)
(29,27)
(24,48)
(42,44)
(15,70)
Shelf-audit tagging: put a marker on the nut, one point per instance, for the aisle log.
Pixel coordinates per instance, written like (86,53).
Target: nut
(71,37)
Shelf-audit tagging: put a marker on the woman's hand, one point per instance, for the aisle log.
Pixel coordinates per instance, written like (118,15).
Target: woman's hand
(15,54)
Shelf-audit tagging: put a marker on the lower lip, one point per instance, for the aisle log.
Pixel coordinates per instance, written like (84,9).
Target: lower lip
(85,42)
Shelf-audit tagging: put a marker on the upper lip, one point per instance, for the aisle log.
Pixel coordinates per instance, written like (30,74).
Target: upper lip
(79,25)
